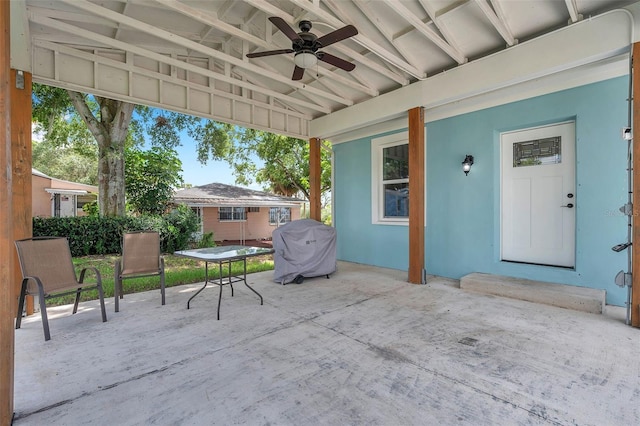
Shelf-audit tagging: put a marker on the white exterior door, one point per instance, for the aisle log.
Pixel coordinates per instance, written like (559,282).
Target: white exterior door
(538,195)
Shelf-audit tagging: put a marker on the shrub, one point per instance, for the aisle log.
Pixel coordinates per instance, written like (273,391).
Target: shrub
(93,235)
(207,241)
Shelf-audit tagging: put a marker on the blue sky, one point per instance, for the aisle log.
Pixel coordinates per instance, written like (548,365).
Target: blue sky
(197,174)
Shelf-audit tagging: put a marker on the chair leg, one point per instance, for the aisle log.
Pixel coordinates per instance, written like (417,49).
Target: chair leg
(43,312)
(162,283)
(102,307)
(116,286)
(75,305)
(23,293)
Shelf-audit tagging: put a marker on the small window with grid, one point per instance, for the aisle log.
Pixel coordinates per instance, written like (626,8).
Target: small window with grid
(228,214)
(279,215)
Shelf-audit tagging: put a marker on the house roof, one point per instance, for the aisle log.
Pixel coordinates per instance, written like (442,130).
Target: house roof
(60,186)
(221,195)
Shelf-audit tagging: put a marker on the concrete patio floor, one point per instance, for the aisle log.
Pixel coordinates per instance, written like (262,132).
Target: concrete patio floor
(361,348)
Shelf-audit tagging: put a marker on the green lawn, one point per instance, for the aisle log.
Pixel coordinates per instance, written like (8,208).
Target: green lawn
(178,270)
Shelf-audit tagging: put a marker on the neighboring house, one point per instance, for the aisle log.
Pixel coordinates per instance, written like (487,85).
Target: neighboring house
(53,197)
(235,213)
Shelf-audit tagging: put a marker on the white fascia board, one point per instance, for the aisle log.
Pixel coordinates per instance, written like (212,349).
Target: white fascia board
(20,36)
(591,73)
(241,204)
(588,41)
(66,191)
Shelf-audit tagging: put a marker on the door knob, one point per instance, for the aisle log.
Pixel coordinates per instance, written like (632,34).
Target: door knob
(569,206)
(569,195)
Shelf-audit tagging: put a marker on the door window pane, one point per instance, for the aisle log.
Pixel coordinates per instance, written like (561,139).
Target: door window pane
(537,152)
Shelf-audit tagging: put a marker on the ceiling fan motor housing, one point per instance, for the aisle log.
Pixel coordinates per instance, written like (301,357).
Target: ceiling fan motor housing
(306,42)
(305,26)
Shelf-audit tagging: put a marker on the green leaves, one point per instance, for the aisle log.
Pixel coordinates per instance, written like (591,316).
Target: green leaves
(71,151)
(280,163)
(150,179)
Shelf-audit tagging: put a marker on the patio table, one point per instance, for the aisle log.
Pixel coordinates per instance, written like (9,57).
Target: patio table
(224,255)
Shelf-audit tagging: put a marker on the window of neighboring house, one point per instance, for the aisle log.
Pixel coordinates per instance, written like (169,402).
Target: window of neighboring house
(56,205)
(226,214)
(279,215)
(390,179)
(253,209)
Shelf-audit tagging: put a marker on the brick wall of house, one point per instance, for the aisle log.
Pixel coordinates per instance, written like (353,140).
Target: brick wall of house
(256,227)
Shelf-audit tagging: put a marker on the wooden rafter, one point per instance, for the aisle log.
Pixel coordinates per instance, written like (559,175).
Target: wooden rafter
(435,18)
(425,30)
(210,19)
(107,41)
(363,41)
(497,23)
(189,44)
(572,7)
(382,28)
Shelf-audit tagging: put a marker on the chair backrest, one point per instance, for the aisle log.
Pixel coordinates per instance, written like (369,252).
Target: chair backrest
(140,253)
(49,259)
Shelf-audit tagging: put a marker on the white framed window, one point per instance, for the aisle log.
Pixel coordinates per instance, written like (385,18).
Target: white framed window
(279,215)
(229,214)
(390,179)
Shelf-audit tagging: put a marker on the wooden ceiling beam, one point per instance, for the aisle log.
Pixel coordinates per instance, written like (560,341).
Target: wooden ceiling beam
(497,23)
(189,44)
(383,30)
(212,20)
(125,47)
(334,22)
(572,7)
(425,30)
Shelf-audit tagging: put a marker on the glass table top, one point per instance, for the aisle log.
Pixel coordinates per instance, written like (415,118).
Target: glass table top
(224,252)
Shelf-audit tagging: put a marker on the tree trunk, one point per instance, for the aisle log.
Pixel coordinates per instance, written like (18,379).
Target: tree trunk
(110,132)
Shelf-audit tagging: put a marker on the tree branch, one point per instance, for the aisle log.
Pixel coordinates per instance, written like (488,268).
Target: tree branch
(78,101)
(292,179)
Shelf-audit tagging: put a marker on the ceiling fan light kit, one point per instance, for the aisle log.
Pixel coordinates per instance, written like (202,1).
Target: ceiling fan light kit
(305,59)
(307,45)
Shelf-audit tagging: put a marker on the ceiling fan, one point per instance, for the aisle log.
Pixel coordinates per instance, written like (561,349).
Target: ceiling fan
(307,45)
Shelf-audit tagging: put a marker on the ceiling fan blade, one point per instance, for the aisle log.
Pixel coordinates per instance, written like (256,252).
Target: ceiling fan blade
(285,28)
(335,61)
(268,53)
(298,73)
(336,36)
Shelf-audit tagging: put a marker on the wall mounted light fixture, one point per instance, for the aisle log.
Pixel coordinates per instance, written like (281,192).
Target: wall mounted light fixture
(467,163)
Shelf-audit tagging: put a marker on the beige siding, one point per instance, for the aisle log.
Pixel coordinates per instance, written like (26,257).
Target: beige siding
(40,199)
(256,227)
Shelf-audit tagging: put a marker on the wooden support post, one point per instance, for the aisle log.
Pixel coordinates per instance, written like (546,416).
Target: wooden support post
(315,172)
(21,165)
(635,253)
(416,194)
(7,284)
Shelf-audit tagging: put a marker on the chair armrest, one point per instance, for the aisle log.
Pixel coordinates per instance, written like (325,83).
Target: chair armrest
(95,270)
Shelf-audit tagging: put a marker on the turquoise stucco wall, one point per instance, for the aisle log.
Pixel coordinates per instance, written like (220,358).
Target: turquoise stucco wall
(463,212)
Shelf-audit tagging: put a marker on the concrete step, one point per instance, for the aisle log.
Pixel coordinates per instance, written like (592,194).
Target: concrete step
(561,295)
